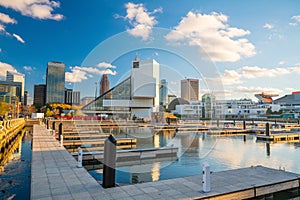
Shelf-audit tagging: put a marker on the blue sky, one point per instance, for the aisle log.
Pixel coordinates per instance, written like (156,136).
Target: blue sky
(253,46)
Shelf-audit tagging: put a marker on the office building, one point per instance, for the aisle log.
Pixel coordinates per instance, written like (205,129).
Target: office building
(25,98)
(72,97)
(10,92)
(163,92)
(55,82)
(39,96)
(190,89)
(104,84)
(17,77)
(138,95)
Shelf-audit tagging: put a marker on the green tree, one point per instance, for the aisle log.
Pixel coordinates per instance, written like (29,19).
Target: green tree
(49,113)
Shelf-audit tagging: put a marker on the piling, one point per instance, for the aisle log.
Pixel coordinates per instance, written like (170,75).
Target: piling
(267,129)
(109,164)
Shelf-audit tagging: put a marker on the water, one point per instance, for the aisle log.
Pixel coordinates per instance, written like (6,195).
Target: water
(221,152)
(15,175)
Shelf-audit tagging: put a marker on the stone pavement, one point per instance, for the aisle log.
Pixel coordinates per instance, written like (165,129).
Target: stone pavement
(54,175)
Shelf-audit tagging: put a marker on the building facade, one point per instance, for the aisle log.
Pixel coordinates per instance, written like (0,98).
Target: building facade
(55,82)
(72,97)
(163,93)
(190,89)
(17,77)
(136,96)
(39,96)
(10,92)
(104,84)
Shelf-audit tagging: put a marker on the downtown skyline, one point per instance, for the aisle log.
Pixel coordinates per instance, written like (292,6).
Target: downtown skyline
(253,45)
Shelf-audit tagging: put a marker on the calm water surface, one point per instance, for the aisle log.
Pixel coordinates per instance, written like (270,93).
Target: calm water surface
(221,152)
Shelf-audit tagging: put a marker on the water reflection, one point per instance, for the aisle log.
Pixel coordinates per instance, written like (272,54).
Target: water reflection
(222,152)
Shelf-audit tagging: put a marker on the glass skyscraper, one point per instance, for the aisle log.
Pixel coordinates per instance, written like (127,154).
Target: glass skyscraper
(55,82)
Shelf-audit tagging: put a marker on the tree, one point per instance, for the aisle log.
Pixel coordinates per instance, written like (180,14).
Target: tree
(4,108)
(49,113)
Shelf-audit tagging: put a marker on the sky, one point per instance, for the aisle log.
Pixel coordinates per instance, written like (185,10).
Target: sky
(243,47)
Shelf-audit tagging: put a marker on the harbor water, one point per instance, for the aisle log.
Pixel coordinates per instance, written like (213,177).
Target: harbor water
(195,148)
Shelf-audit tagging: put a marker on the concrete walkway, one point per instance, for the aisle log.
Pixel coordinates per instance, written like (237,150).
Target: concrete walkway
(54,175)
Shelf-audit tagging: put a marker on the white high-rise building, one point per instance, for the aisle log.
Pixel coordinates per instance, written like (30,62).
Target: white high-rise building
(190,89)
(17,77)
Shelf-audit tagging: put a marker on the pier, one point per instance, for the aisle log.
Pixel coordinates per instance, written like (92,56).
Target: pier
(280,137)
(54,175)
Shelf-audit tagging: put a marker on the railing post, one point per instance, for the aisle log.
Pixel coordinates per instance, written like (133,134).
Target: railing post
(60,131)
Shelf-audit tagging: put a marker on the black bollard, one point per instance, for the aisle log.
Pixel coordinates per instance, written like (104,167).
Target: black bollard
(47,123)
(234,122)
(109,164)
(267,129)
(244,125)
(298,121)
(245,138)
(268,149)
(60,131)
(218,123)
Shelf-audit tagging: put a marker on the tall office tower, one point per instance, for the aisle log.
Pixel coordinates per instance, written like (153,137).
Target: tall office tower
(163,92)
(190,89)
(25,98)
(17,77)
(76,98)
(39,96)
(68,96)
(104,84)
(55,82)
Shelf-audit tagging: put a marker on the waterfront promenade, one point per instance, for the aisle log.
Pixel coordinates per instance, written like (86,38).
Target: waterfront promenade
(54,175)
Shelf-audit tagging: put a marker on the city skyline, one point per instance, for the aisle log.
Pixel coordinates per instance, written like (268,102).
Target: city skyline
(254,49)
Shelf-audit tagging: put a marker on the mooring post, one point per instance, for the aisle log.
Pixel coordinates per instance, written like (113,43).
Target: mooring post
(267,129)
(109,164)
(60,131)
(218,123)
(47,120)
(206,177)
(79,160)
(244,125)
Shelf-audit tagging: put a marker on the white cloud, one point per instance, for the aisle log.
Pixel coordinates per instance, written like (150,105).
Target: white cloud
(79,74)
(40,9)
(18,38)
(27,68)
(141,20)
(281,62)
(6,67)
(106,65)
(237,76)
(4,18)
(212,33)
(2,28)
(296,18)
(268,26)
(255,90)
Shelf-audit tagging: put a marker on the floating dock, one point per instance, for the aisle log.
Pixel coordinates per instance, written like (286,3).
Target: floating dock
(94,160)
(280,137)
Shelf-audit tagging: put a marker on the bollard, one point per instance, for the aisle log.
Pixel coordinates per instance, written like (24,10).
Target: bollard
(206,177)
(79,161)
(60,131)
(245,139)
(47,123)
(109,163)
(218,123)
(244,125)
(267,129)
(62,141)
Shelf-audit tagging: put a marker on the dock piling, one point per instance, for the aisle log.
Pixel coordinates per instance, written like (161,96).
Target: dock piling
(109,164)
(267,129)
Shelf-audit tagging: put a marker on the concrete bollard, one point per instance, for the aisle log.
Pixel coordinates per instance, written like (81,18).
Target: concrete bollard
(267,129)
(206,177)
(109,164)
(60,131)
(79,161)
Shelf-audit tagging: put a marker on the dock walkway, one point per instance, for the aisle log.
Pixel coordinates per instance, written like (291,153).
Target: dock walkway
(54,175)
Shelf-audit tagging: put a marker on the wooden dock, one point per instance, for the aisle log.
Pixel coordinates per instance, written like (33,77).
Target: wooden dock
(280,137)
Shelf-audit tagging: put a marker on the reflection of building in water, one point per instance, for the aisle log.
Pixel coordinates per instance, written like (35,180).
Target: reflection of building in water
(145,173)
(190,143)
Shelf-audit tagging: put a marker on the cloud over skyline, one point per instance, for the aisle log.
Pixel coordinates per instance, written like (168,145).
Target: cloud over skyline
(212,34)
(141,20)
(34,8)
